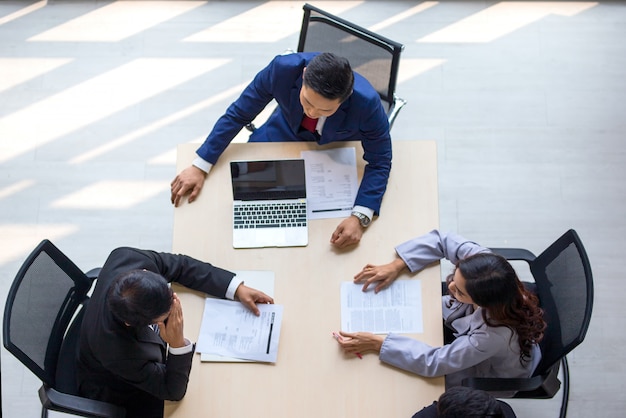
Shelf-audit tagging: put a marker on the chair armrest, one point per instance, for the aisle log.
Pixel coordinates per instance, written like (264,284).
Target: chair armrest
(94,273)
(62,402)
(515,254)
(491,384)
(397,104)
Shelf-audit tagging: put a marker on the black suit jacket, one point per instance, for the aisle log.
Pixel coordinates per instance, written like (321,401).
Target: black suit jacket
(128,366)
(431,411)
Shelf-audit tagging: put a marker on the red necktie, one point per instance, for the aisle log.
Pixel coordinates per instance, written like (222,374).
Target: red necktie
(309,124)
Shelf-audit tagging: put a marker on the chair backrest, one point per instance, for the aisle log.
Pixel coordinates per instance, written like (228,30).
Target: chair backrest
(565,289)
(43,300)
(67,366)
(373,56)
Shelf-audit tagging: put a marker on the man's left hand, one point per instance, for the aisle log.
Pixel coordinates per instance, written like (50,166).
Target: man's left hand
(171,331)
(347,233)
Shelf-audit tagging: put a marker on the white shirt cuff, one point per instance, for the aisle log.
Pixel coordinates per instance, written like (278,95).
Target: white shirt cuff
(232,288)
(365,211)
(179,351)
(202,164)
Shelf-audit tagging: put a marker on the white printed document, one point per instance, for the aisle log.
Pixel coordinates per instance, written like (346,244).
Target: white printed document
(230,329)
(331,182)
(397,308)
(230,332)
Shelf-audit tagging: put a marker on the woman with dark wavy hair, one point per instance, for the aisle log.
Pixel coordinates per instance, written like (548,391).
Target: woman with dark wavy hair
(495,321)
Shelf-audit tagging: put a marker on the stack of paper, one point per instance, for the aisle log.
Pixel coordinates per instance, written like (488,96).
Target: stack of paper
(331,182)
(231,332)
(397,308)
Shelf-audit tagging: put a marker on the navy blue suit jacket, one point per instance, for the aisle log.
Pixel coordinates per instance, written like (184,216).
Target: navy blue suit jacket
(360,118)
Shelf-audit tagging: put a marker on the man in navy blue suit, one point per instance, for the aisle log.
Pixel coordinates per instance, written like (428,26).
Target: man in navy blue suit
(319,99)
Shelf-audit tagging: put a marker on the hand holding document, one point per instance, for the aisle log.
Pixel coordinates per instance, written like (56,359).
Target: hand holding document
(339,338)
(230,332)
(397,308)
(331,182)
(230,329)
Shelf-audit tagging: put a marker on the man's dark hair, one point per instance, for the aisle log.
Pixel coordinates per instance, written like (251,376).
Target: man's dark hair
(462,402)
(329,76)
(138,297)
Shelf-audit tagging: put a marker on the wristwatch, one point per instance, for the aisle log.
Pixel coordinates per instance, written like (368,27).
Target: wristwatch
(363,220)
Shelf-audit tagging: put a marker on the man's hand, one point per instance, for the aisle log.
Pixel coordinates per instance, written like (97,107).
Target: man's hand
(347,233)
(191,179)
(249,297)
(382,275)
(171,330)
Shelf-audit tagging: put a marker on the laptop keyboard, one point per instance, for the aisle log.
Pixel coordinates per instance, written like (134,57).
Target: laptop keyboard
(279,215)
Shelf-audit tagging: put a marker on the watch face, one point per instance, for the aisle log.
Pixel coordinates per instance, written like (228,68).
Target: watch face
(363,220)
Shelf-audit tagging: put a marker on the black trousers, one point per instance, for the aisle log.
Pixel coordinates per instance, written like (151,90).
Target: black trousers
(145,406)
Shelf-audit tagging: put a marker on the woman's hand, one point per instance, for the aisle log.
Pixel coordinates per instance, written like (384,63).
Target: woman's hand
(384,275)
(360,342)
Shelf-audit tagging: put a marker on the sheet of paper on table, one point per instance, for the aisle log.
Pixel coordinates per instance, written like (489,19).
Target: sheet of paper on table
(218,317)
(331,182)
(397,308)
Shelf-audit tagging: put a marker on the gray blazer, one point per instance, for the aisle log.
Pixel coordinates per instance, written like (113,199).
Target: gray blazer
(478,350)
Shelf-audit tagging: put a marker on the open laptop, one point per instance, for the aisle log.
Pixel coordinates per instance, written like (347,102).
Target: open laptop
(269,203)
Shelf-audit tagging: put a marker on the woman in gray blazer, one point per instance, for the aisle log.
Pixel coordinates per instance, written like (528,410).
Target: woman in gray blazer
(496,322)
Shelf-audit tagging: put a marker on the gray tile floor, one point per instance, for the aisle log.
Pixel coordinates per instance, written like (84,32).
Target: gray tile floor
(525,100)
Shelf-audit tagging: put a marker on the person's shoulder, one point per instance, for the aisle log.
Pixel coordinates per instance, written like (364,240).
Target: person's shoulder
(364,90)
(297,60)
(284,68)
(429,411)
(124,255)
(119,251)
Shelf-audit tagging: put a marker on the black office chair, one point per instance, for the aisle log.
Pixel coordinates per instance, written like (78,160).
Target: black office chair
(564,285)
(373,56)
(41,327)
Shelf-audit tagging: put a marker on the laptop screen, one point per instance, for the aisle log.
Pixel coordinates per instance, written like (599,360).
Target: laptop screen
(268,180)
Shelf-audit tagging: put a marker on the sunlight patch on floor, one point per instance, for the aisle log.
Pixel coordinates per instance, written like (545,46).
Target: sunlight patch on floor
(502,19)
(95,99)
(15,71)
(402,16)
(116,21)
(268,22)
(23,12)
(229,93)
(20,239)
(111,194)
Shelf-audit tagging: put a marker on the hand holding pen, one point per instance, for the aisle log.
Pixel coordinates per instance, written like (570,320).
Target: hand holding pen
(359,342)
(341,341)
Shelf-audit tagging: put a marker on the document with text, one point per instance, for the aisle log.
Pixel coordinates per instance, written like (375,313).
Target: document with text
(230,329)
(397,308)
(331,182)
(230,332)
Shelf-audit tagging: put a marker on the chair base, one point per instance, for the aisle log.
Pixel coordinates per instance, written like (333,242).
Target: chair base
(537,387)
